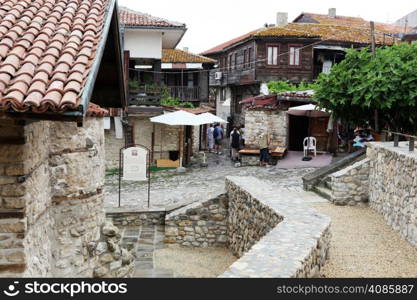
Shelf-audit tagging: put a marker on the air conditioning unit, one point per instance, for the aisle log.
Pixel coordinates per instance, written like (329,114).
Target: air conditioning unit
(218,75)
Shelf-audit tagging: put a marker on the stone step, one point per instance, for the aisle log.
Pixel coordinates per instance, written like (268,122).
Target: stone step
(328,183)
(324,192)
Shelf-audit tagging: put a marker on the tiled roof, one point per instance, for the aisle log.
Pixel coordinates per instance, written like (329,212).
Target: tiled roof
(196,111)
(338,33)
(129,17)
(47,48)
(180,56)
(350,21)
(223,46)
(95,110)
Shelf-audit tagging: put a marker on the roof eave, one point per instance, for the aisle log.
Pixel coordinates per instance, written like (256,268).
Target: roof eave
(180,39)
(184,28)
(91,79)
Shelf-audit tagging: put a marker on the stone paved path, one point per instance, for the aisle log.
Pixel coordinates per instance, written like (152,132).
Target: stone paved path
(144,240)
(197,184)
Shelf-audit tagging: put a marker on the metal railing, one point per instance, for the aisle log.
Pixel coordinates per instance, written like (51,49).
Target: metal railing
(411,139)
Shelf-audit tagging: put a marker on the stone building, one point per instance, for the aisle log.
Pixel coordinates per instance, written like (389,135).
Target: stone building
(269,114)
(297,52)
(55,57)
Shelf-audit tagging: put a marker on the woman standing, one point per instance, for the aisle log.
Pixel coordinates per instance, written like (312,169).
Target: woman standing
(210,137)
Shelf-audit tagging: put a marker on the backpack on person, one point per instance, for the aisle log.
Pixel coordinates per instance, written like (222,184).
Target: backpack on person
(235,139)
(217,134)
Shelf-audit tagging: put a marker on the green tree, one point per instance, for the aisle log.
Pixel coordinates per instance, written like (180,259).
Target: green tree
(361,85)
(276,87)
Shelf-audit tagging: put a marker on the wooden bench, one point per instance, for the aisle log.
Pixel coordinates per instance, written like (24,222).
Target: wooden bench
(274,152)
(250,156)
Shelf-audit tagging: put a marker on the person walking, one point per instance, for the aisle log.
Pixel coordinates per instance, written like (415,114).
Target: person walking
(210,137)
(218,137)
(235,139)
(264,149)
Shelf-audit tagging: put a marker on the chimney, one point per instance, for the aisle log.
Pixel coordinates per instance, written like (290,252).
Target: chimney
(185,49)
(332,12)
(282,18)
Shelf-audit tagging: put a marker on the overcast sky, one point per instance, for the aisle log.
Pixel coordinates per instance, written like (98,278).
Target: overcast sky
(212,22)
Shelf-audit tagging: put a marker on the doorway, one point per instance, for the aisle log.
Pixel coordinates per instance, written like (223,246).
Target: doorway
(298,132)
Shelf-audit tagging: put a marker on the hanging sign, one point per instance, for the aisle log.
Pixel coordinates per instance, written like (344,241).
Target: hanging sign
(135,164)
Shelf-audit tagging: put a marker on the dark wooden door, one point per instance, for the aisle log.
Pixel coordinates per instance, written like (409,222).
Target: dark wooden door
(298,132)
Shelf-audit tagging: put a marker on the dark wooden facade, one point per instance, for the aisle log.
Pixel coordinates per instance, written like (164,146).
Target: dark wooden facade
(283,70)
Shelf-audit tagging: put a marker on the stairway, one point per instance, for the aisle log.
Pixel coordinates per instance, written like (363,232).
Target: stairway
(319,181)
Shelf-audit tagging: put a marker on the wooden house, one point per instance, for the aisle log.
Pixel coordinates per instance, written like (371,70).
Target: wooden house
(295,52)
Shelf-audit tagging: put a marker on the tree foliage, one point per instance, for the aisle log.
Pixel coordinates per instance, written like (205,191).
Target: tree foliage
(361,84)
(276,87)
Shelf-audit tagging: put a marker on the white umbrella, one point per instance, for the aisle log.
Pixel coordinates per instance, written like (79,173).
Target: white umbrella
(178,118)
(208,118)
(308,110)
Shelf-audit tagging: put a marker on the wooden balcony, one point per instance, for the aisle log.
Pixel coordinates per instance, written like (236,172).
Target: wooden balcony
(233,77)
(185,93)
(152,94)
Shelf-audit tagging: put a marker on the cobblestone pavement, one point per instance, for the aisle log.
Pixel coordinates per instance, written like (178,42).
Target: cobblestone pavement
(169,188)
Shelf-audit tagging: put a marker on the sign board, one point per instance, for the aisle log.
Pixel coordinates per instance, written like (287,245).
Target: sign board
(135,164)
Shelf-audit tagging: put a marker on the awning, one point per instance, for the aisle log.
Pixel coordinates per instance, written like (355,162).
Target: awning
(208,118)
(178,118)
(308,110)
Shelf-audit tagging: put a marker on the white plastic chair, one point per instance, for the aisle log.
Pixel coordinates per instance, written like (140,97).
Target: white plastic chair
(309,144)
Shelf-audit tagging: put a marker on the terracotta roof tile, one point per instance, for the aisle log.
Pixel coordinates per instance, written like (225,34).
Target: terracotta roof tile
(47,48)
(180,56)
(96,111)
(225,45)
(129,17)
(349,21)
(340,33)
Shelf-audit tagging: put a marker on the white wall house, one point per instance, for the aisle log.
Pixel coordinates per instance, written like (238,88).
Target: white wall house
(143,43)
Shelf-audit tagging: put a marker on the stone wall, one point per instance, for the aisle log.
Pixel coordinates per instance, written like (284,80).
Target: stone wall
(199,224)
(112,147)
(166,137)
(51,195)
(393,186)
(258,122)
(273,236)
(125,218)
(249,219)
(296,246)
(350,186)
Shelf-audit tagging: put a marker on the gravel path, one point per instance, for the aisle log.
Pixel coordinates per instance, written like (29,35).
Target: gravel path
(197,262)
(363,245)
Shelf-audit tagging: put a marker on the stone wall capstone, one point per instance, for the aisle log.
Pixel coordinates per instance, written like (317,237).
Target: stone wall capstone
(297,246)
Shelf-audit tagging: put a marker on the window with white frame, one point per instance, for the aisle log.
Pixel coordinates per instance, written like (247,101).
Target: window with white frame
(295,56)
(273,55)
